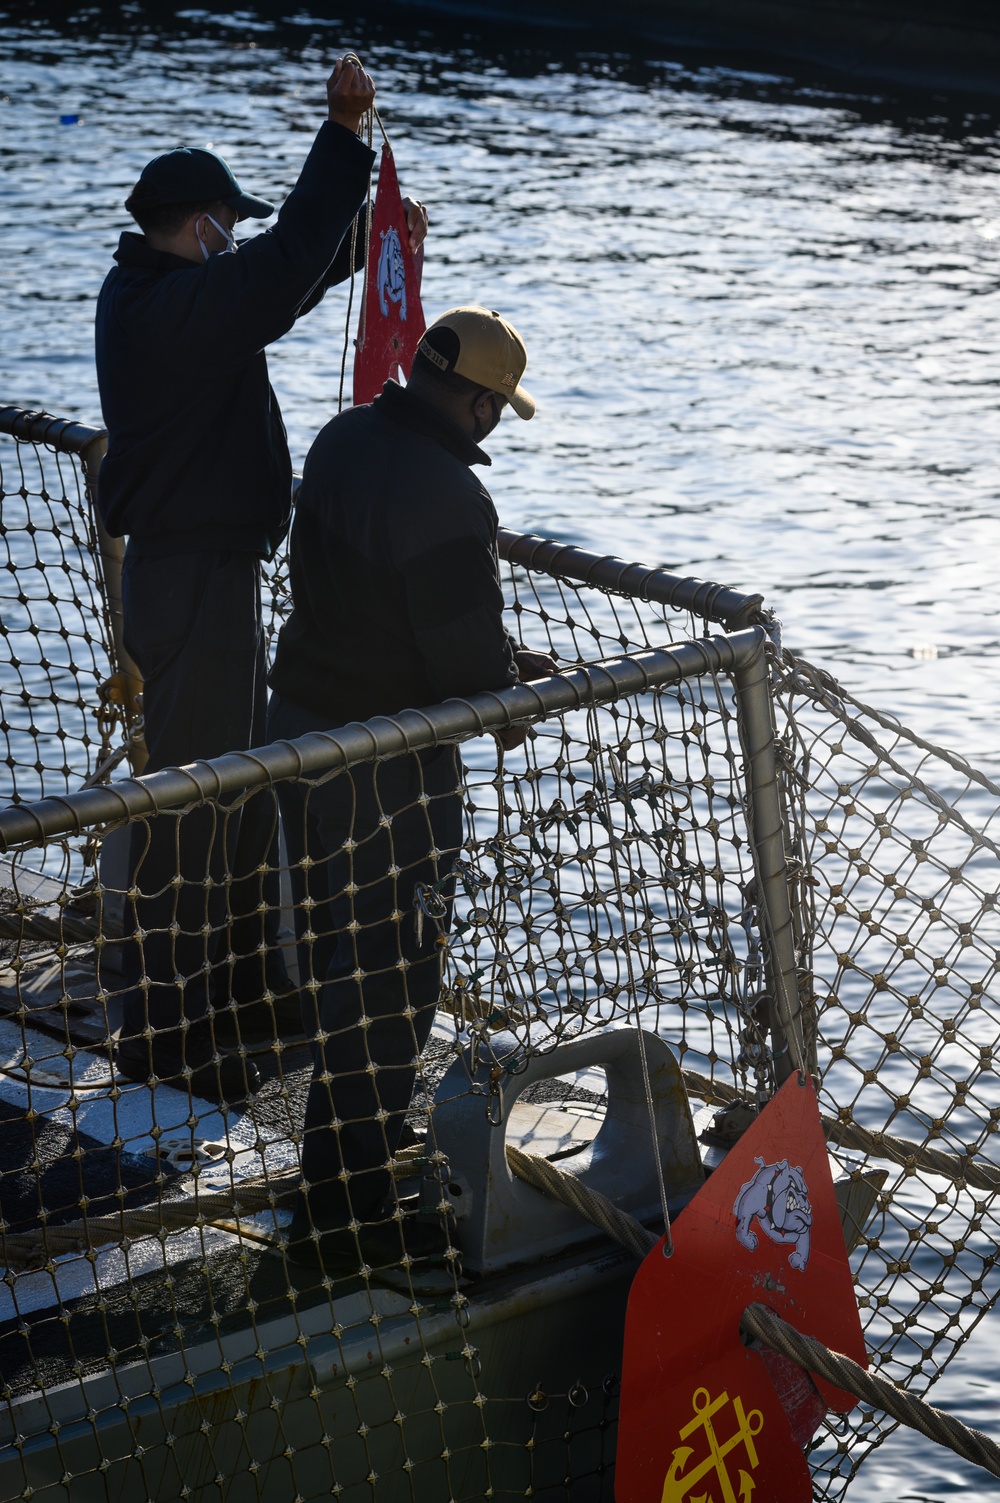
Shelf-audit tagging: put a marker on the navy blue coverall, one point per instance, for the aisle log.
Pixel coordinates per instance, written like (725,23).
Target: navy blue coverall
(198,477)
(396,602)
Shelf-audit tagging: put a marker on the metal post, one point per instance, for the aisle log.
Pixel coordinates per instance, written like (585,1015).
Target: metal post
(123,668)
(767,836)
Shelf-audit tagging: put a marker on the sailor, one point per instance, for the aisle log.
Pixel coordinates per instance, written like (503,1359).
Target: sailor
(396,602)
(198,476)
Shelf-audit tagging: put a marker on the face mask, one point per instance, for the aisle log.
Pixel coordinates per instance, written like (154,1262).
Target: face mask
(227,237)
(483,430)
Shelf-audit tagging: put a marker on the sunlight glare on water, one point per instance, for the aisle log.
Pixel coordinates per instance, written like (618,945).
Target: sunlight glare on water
(761,316)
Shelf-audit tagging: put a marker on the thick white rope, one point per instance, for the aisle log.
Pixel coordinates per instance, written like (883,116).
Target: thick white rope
(771,1331)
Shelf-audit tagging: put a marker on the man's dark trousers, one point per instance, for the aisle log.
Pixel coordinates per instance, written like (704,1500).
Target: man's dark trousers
(193,625)
(379,976)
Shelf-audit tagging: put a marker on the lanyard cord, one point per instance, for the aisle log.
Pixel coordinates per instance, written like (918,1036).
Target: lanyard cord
(366,132)
(600,769)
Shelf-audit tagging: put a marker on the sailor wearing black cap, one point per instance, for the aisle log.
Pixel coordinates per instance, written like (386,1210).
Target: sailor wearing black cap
(198,477)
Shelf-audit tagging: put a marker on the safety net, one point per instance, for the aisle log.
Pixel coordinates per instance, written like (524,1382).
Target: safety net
(293,1042)
(53,616)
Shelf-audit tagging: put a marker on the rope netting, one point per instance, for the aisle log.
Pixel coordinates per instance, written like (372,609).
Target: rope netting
(897,844)
(53,617)
(299,1270)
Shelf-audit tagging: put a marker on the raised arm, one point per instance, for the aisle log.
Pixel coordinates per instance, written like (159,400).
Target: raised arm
(238,304)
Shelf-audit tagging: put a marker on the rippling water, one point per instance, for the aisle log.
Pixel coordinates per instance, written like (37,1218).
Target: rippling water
(761,315)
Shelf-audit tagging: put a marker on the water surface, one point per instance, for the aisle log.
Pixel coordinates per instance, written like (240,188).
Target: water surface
(761,315)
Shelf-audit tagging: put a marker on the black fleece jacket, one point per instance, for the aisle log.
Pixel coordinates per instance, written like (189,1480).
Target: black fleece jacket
(395,582)
(197,455)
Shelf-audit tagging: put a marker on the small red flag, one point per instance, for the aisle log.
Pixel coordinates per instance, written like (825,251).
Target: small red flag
(703,1416)
(392,320)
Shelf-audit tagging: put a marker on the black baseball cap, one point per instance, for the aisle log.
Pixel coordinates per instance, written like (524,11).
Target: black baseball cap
(190,175)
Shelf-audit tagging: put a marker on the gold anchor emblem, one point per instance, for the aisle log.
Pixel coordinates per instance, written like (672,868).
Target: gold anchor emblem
(678,1484)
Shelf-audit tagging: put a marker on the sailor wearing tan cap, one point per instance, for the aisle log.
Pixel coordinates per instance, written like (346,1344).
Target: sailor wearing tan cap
(485,350)
(396,602)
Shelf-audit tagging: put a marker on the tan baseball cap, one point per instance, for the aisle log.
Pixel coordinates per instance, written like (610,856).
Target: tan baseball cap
(490,352)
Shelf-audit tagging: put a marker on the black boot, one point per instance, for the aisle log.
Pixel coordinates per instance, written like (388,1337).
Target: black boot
(262,1021)
(188,1062)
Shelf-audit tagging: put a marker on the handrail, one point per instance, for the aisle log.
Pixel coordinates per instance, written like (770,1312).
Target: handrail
(740,655)
(713,602)
(717,603)
(382,736)
(42,428)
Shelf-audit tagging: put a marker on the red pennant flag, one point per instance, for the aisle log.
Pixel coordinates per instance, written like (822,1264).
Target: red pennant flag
(392,320)
(703,1416)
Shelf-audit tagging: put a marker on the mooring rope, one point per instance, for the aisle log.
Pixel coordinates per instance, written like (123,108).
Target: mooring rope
(254,1195)
(267,1192)
(762,1324)
(33,926)
(258,1194)
(960,1168)
(591,1204)
(25,1249)
(21,1250)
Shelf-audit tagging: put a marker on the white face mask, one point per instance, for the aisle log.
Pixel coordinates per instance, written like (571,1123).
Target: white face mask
(226,235)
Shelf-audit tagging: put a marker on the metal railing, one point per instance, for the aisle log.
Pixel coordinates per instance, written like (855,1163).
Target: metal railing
(701,835)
